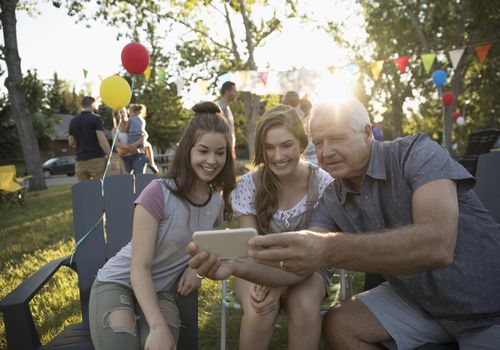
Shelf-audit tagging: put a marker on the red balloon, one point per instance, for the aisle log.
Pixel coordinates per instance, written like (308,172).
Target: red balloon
(455,115)
(448,98)
(135,58)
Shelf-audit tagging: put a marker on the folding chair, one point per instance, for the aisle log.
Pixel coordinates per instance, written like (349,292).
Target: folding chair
(487,185)
(107,237)
(12,188)
(338,291)
(480,142)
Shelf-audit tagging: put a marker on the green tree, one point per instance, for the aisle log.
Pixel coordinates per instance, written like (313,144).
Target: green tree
(62,98)
(204,53)
(404,27)
(36,95)
(17,96)
(10,148)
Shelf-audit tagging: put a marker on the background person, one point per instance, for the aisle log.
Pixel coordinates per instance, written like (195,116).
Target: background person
(86,135)
(140,151)
(117,165)
(280,196)
(133,299)
(228,94)
(404,209)
(310,153)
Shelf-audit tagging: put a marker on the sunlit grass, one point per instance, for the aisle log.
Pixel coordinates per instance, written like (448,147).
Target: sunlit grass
(31,236)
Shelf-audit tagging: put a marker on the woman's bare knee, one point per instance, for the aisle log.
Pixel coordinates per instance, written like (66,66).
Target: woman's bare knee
(121,320)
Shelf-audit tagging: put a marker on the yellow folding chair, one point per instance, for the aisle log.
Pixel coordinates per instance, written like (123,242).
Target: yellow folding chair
(12,188)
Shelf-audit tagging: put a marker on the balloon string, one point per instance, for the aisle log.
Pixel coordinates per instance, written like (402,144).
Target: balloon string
(103,216)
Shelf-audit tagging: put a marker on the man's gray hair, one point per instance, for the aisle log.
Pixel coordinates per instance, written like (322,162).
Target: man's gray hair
(349,110)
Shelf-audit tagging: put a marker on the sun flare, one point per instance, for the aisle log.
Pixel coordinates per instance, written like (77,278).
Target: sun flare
(334,87)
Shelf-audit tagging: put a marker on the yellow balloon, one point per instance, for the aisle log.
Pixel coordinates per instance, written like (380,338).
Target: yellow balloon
(115,92)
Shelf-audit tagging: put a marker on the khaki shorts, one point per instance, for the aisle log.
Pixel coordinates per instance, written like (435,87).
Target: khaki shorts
(410,327)
(90,169)
(106,297)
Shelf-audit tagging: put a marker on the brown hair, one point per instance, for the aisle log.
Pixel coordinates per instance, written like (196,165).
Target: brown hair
(117,116)
(138,109)
(291,98)
(207,118)
(266,198)
(87,101)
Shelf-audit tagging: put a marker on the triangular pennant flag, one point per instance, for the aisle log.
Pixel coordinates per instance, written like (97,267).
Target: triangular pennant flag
(263,77)
(179,83)
(203,85)
(147,73)
(332,69)
(161,75)
(482,51)
(376,68)
(352,68)
(402,63)
(224,77)
(85,73)
(456,56)
(428,60)
(244,80)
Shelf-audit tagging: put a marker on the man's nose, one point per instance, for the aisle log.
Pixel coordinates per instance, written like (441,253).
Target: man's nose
(328,150)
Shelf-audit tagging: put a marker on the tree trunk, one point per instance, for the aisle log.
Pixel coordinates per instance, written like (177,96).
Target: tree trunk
(17,97)
(234,47)
(248,36)
(252,106)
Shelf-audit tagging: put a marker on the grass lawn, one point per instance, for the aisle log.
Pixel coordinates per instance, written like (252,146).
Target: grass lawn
(42,231)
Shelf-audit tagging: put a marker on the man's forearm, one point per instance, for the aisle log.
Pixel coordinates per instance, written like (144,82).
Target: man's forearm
(265,275)
(104,146)
(401,251)
(103,142)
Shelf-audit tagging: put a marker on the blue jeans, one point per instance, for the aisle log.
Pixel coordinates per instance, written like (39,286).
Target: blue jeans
(135,162)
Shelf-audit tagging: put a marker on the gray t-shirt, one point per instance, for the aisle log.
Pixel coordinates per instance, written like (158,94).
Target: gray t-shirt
(175,230)
(467,290)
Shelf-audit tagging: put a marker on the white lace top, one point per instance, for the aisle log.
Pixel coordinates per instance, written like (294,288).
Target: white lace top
(243,197)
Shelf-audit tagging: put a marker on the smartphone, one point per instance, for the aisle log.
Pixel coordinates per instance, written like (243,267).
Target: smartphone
(226,244)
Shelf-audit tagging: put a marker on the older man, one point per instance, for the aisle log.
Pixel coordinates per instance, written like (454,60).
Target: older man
(406,210)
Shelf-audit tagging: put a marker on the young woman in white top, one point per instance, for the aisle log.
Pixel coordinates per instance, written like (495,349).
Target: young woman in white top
(279,197)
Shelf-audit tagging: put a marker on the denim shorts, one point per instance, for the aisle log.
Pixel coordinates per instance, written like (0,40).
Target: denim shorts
(106,297)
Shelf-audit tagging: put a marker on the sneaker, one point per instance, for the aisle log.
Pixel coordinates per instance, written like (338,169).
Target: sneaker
(153,168)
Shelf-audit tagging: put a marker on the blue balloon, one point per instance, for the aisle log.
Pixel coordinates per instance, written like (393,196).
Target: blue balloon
(439,77)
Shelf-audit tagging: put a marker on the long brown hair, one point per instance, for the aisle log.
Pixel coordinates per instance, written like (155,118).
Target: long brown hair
(207,118)
(266,198)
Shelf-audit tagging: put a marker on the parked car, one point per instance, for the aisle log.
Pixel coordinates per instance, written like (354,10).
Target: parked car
(59,165)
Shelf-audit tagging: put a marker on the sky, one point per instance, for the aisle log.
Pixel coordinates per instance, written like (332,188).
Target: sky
(52,42)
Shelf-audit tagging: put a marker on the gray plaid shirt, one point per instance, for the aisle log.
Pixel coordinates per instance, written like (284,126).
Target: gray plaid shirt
(467,293)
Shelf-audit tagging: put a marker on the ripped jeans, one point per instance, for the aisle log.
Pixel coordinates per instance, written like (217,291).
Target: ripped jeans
(107,297)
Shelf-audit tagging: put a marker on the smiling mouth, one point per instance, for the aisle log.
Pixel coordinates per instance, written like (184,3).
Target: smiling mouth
(333,164)
(281,165)
(208,170)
